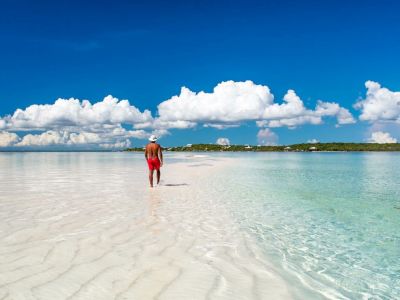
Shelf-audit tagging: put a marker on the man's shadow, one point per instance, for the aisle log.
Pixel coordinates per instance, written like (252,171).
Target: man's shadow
(175,184)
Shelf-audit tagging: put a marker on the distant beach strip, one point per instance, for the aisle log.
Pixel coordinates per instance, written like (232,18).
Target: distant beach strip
(315,147)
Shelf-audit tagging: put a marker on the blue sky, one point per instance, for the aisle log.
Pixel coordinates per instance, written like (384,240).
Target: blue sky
(145,52)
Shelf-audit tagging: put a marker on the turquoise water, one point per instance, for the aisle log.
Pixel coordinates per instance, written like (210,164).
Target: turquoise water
(329,221)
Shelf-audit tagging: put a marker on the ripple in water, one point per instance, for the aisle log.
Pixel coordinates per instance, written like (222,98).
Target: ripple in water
(330,221)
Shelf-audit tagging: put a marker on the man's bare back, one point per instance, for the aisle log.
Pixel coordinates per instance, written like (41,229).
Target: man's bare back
(154,158)
(152,150)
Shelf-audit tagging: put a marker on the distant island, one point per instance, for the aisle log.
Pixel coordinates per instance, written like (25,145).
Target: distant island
(325,147)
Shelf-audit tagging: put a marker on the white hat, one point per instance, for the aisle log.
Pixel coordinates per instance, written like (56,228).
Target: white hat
(152,138)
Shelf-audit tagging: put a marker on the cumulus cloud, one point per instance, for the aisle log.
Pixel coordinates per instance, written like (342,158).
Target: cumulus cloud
(267,137)
(380,104)
(233,102)
(8,138)
(104,123)
(161,124)
(43,139)
(333,109)
(292,113)
(381,137)
(73,112)
(229,102)
(119,132)
(292,107)
(59,138)
(159,133)
(74,122)
(83,138)
(223,141)
(115,138)
(290,122)
(117,145)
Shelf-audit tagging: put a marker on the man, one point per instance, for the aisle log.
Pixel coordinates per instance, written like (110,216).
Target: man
(154,158)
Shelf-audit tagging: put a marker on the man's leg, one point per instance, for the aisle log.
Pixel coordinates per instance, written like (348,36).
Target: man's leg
(158,176)
(151,177)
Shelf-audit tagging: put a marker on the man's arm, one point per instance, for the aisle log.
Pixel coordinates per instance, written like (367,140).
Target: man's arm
(160,156)
(145,152)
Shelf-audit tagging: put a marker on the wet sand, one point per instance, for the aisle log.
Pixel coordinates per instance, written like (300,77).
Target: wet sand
(87,230)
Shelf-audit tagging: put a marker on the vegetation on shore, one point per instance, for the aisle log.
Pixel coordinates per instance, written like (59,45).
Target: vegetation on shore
(286,148)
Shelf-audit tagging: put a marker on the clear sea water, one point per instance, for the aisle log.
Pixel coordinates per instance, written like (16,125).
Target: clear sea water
(330,222)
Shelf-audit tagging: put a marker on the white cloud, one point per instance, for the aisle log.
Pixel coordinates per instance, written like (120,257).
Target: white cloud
(83,138)
(52,137)
(229,102)
(292,113)
(267,137)
(44,139)
(8,138)
(380,104)
(233,102)
(178,124)
(118,136)
(73,112)
(333,109)
(117,145)
(223,141)
(160,132)
(291,108)
(291,122)
(118,132)
(381,137)
(313,141)
(75,122)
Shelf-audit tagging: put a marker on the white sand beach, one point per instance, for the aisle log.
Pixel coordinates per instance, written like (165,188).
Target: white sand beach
(87,226)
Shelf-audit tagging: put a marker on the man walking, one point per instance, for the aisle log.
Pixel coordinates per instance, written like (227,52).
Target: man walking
(154,158)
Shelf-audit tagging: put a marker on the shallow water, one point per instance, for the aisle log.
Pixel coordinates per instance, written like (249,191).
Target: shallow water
(85,226)
(329,221)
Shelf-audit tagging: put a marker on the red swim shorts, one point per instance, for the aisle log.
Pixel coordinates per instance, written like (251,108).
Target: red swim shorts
(154,163)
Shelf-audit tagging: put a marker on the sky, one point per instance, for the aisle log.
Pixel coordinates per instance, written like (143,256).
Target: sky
(107,74)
